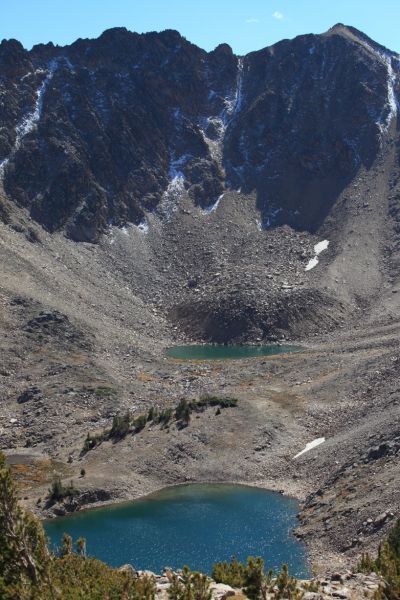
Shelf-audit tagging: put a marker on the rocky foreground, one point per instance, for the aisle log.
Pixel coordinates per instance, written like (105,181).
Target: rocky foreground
(342,586)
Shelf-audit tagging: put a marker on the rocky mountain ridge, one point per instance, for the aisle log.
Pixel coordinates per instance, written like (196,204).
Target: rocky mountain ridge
(105,131)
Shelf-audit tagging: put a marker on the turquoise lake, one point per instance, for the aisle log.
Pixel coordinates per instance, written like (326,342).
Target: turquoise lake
(218,352)
(195,525)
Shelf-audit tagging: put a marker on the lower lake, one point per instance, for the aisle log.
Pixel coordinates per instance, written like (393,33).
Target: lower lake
(219,352)
(195,525)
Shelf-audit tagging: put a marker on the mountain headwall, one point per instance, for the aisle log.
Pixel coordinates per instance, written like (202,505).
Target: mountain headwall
(103,131)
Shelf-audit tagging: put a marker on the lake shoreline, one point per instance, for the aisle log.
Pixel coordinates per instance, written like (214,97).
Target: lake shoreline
(320,558)
(201,514)
(227,352)
(283,488)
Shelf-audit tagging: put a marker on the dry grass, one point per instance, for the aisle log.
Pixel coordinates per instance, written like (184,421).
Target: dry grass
(37,472)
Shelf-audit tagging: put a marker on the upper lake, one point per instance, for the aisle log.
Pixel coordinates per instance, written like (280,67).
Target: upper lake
(219,352)
(195,525)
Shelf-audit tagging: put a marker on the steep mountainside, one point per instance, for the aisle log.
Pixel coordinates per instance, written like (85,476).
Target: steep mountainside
(104,130)
(153,193)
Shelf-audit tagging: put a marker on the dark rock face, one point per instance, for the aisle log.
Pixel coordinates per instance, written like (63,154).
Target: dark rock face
(236,317)
(103,130)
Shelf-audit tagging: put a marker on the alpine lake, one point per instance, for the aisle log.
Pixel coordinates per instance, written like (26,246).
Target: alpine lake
(195,525)
(227,352)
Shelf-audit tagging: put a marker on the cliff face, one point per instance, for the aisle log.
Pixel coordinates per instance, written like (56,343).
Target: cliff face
(105,130)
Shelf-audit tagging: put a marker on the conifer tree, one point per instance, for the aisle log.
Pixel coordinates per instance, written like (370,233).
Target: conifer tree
(24,558)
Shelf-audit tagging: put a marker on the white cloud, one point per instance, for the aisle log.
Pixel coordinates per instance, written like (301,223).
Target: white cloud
(252,20)
(277,15)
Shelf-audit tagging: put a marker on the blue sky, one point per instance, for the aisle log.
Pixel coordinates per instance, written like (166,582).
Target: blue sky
(244,24)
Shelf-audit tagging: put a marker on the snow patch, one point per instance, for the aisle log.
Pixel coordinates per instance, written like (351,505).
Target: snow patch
(312,263)
(174,170)
(318,248)
(233,104)
(214,143)
(143,226)
(219,123)
(29,121)
(213,207)
(392,102)
(310,446)
(176,187)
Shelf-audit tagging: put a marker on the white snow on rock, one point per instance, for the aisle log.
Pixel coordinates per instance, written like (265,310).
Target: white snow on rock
(233,104)
(312,263)
(213,128)
(310,446)
(391,96)
(318,248)
(213,207)
(176,187)
(391,101)
(29,121)
(214,143)
(143,226)
(3,165)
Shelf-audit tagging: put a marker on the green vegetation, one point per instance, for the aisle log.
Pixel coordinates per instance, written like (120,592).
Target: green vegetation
(164,417)
(119,429)
(256,584)
(190,586)
(151,414)
(232,573)
(103,391)
(29,571)
(91,441)
(58,491)
(386,564)
(182,411)
(124,424)
(120,426)
(224,402)
(140,423)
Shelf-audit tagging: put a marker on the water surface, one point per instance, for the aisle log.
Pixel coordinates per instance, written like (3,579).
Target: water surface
(219,352)
(194,525)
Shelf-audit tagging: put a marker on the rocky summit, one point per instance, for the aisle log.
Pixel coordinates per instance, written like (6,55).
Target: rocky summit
(153,194)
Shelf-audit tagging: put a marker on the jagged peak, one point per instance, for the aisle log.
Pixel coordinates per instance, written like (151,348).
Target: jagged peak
(115,32)
(223,49)
(357,36)
(11,44)
(171,33)
(338,27)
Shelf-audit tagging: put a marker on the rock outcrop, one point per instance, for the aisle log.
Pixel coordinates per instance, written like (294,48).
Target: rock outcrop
(104,131)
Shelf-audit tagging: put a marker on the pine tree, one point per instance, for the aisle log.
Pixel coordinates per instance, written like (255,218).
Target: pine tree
(24,558)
